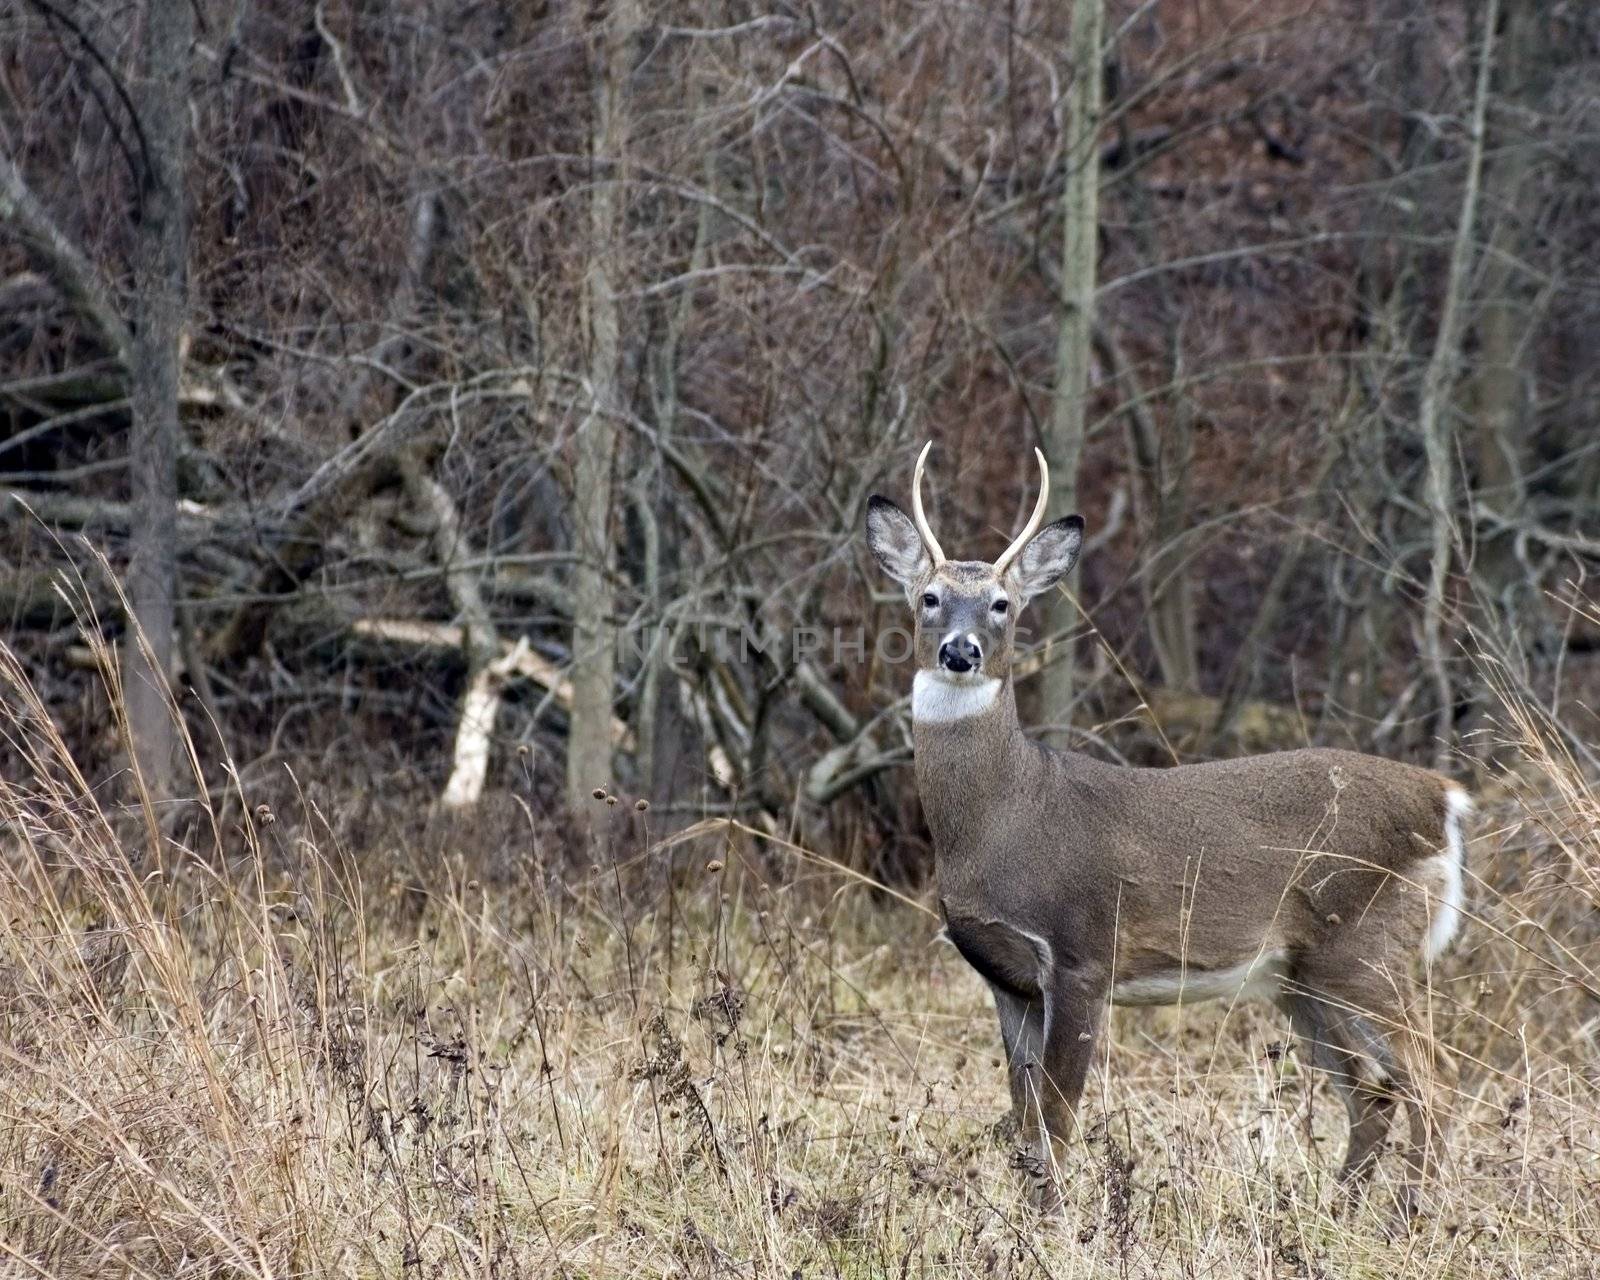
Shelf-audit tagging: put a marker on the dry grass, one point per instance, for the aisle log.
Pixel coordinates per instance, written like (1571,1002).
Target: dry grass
(273,1056)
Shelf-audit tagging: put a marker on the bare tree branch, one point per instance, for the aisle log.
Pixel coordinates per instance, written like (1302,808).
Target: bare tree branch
(65,263)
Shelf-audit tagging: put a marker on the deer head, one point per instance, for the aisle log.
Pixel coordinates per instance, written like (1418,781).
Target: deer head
(965,611)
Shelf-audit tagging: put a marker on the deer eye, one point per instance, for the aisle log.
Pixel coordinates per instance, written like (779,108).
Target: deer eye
(1001,605)
(930,600)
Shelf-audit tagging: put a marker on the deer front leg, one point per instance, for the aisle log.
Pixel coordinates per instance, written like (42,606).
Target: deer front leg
(1073,1006)
(1047,1018)
(1022,1032)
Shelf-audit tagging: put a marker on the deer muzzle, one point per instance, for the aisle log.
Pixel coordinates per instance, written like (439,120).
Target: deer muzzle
(960,654)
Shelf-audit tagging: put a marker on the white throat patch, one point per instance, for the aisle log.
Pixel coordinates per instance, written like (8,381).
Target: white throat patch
(937,699)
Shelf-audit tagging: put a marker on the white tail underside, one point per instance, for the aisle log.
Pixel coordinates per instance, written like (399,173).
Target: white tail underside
(1446,876)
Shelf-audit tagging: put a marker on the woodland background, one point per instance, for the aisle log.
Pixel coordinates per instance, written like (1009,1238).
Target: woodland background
(486,324)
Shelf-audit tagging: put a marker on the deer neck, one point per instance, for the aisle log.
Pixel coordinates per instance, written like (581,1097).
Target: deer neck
(971,753)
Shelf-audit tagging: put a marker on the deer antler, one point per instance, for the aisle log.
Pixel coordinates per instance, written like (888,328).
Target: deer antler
(1034,521)
(917,513)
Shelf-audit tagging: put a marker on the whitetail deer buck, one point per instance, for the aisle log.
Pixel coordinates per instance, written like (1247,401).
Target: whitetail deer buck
(1313,879)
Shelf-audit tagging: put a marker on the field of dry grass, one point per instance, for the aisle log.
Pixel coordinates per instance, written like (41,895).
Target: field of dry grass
(266,1050)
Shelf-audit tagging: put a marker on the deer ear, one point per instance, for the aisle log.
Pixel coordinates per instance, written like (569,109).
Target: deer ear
(1048,557)
(895,542)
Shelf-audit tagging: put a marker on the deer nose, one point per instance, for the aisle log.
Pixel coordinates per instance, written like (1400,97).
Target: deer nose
(960,654)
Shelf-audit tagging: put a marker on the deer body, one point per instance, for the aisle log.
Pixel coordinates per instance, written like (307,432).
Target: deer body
(1313,879)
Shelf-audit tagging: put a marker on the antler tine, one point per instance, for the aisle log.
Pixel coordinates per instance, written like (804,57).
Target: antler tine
(918,515)
(1034,521)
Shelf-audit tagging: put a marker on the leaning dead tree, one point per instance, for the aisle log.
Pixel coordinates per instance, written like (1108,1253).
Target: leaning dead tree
(71,272)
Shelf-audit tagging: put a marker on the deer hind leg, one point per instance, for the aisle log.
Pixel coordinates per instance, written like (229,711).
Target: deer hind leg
(1387,1034)
(1373,1092)
(1378,1060)
(1368,1100)
(1418,1078)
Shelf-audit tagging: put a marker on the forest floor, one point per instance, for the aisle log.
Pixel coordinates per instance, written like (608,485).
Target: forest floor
(288,1057)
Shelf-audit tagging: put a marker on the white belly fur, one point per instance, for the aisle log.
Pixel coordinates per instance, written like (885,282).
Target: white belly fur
(1255,979)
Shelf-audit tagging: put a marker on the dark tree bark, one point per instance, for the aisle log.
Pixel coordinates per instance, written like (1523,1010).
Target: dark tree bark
(1510,313)
(593,633)
(1080,239)
(160,280)
(1438,382)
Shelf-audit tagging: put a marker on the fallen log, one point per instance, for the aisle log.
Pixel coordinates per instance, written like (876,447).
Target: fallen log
(68,511)
(527,665)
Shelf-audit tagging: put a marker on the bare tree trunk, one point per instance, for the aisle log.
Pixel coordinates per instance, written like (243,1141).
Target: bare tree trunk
(1400,81)
(1064,434)
(1437,383)
(1402,152)
(659,549)
(1167,582)
(1239,685)
(1509,318)
(593,631)
(160,281)
(1504,321)
(1163,461)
